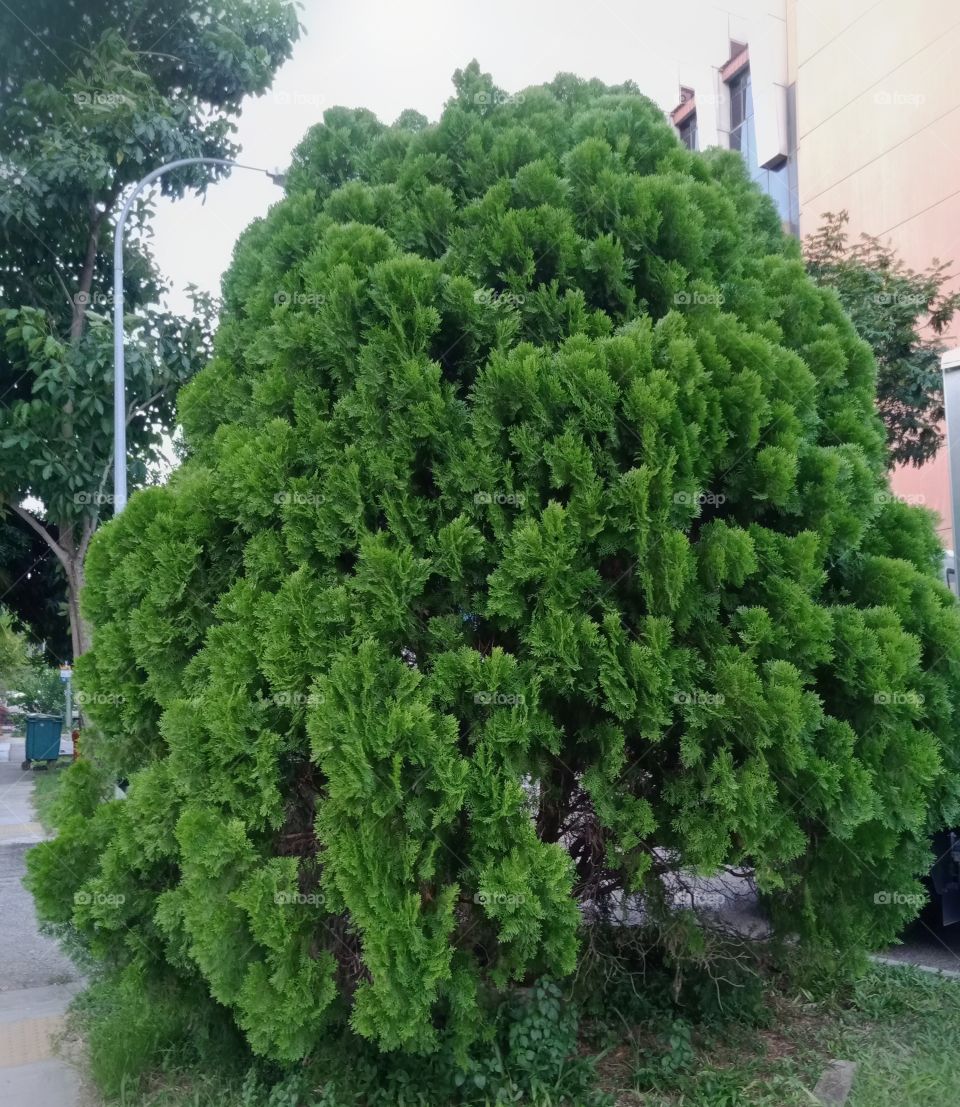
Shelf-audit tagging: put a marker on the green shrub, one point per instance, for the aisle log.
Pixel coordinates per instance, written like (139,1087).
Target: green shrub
(41,687)
(531,1059)
(132,1023)
(534,541)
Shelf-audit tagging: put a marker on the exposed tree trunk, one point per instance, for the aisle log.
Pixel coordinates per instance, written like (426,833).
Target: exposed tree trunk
(71,554)
(79,627)
(73,567)
(81,299)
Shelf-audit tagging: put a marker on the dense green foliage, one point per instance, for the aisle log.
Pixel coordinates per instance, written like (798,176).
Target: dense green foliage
(33,586)
(902,314)
(41,687)
(14,651)
(93,96)
(27,680)
(534,545)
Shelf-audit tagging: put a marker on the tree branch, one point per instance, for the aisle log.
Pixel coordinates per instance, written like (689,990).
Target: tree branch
(90,524)
(71,302)
(142,409)
(103,483)
(86,273)
(34,523)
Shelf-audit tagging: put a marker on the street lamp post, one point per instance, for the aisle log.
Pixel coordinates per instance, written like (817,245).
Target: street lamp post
(950,367)
(119,375)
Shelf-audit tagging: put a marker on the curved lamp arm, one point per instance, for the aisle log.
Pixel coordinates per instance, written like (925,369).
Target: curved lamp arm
(119,368)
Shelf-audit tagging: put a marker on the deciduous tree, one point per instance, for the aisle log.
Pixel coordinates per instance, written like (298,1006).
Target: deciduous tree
(902,313)
(94,96)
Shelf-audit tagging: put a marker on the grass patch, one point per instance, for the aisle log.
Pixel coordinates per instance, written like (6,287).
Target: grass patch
(46,786)
(901,1025)
(910,1048)
(196,1091)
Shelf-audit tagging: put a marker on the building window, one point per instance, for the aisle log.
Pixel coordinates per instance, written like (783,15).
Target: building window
(684,118)
(774,182)
(688,132)
(741,113)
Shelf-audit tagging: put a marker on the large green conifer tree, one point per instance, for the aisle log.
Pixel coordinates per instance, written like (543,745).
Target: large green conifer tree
(534,540)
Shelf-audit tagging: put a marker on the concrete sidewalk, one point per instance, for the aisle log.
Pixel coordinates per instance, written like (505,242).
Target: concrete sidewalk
(36,981)
(31,1075)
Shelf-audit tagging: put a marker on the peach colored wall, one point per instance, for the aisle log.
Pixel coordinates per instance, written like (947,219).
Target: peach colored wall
(878,127)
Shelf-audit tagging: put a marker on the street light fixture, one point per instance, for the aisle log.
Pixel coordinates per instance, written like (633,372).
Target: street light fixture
(119,369)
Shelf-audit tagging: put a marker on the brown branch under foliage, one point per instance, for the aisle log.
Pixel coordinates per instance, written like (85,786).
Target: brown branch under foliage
(339,938)
(297,836)
(36,525)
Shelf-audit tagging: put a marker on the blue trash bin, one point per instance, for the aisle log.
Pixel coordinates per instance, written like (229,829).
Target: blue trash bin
(43,738)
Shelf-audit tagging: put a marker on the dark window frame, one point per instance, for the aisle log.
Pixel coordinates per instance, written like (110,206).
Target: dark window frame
(688,133)
(739,88)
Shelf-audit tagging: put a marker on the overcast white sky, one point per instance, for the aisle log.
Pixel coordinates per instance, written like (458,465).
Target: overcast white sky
(388,55)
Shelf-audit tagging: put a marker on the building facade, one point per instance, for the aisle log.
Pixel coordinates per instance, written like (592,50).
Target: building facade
(837,106)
